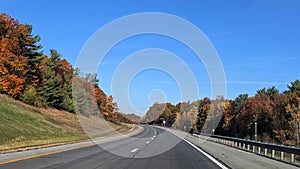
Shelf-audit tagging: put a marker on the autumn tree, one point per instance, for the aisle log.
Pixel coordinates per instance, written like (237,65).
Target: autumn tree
(237,106)
(293,107)
(214,115)
(101,98)
(160,112)
(227,120)
(13,36)
(168,115)
(83,94)
(192,116)
(153,112)
(182,118)
(109,108)
(203,109)
(280,118)
(257,109)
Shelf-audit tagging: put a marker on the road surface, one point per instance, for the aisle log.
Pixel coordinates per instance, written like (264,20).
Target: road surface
(146,150)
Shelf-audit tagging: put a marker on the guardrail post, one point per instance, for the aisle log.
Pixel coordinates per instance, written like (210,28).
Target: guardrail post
(248,147)
(273,153)
(253,148)
(281,155)
(258,150)
(292,158)
(244,145)
(266,151)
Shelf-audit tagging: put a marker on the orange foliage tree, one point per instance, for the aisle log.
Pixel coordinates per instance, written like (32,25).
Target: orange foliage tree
(12,62)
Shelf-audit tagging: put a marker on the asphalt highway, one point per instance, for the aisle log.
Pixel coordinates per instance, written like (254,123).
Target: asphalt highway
(151,149)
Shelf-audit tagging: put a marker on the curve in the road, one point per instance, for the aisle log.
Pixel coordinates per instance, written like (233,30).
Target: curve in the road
(149,149)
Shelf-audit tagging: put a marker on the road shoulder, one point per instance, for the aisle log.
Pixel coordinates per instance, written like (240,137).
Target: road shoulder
(233,157)
(28,154)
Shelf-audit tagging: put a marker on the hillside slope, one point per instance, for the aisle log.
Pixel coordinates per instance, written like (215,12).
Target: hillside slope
(23,126)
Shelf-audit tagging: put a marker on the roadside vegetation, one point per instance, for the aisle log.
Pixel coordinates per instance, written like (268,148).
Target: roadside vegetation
(29,75)
(36,101)
(277,115)
(24,126)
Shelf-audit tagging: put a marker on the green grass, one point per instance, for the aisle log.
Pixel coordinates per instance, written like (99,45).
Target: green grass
(23,126)
(20,126)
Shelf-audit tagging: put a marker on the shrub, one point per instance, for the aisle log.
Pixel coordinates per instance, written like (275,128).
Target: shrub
(30,96)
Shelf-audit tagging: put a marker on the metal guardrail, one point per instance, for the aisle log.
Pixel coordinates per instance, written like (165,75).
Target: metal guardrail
(286,153)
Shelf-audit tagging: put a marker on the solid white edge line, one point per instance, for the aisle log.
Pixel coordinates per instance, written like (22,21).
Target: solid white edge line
(204,153)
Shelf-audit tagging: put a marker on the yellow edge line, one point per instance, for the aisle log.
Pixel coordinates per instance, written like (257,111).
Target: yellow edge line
(53,152)
(45,154)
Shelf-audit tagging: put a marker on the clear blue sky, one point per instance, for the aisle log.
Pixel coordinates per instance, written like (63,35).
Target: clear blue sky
(257,41)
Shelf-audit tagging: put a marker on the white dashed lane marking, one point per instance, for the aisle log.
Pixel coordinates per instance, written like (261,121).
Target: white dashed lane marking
(134,150)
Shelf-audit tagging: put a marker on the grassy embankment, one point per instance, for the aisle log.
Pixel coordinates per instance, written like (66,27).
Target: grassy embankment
(23,126)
